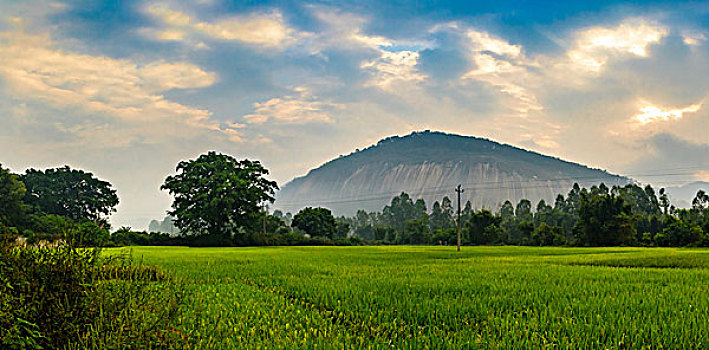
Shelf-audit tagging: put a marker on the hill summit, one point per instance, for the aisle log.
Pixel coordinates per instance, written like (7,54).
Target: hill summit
(429,165)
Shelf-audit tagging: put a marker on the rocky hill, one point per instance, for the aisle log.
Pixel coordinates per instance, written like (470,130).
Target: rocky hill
(429,165)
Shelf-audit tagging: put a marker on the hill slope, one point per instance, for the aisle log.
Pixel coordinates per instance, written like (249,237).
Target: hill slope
(429,165)
(682,196)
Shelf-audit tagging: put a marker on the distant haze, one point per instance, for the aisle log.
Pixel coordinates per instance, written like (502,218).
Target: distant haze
(429,165)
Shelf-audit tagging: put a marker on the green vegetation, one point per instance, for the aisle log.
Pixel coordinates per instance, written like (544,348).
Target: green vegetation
(317,222)
(65,297)
(68,192)
(43,205)
(222,201)
(71,297)
(433,297)
(219,197)
(600,216)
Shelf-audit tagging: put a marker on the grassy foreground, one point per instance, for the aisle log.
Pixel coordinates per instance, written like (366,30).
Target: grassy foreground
(433,297)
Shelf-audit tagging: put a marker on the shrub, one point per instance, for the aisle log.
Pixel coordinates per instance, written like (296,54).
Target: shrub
(69,297)
(678,234)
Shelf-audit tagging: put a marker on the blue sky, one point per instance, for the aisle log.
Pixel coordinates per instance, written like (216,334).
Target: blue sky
(126,89)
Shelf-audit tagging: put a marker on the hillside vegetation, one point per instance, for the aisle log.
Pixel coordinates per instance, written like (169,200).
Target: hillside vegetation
(430,164)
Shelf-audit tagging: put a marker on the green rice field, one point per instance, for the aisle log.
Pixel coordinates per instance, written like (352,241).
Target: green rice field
(433,297)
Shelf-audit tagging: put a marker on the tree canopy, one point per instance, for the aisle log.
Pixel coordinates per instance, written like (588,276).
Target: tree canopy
(12,193)
(68,192)
(217,194)
(317,222)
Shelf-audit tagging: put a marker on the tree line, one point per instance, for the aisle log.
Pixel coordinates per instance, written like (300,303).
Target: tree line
(219,200)
(628,215)
(46,204)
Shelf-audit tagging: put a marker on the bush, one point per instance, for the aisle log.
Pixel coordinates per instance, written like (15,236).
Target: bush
(66,297)
(545,235)
(679,234)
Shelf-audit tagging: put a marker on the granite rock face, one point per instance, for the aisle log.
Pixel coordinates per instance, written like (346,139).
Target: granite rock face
(429,165)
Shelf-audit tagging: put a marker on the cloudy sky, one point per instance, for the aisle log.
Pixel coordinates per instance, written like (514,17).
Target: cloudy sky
(126,89)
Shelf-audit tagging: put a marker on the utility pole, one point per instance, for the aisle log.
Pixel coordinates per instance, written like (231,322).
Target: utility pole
(459,190)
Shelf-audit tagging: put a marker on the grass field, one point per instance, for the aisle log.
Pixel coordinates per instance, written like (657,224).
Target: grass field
(433,297)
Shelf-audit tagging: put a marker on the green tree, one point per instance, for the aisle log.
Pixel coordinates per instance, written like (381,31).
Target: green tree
(317,222)
(465,214)
(604,220)
(543,214)
(510,223)
(402,209)
(545,235)
(664,201)
(73,193)
(507,211)
(342,229)
(442,215)
(523,211)
(382,233)
(416,232)
(270,223)
(679,234)
(525,230)
(218,195)
(573,199)
(12,193)
(483,228)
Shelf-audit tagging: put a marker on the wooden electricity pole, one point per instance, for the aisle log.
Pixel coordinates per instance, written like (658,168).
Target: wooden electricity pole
(459,190)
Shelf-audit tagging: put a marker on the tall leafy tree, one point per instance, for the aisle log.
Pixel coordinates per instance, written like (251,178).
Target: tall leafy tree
(402,209)
(679,233)
(523,211)
(510,222)
(466,213)
(664,201)
(604,220)
(483,228)
(507,211)
(317,222)
(700,201)
(441,217)
(69,192)
(219,195)
(12,193)
(572,199)
(416,232)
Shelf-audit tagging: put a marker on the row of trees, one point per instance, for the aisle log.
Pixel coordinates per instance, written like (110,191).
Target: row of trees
(599,216)
(219,200)
(45,204)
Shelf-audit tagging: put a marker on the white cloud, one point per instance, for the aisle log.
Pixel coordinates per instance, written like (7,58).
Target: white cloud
(523,82)
(165,76)
(392,68)
(594,46)
(261,29)
(395,61)
(503,66)
(482,42)
(292,109)
(34,70)
(693,38)
(651,113)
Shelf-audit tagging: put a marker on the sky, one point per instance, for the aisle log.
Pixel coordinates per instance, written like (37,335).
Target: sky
(126,89)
